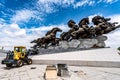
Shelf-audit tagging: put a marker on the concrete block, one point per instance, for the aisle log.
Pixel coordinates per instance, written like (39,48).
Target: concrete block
(51,73)
(62,70)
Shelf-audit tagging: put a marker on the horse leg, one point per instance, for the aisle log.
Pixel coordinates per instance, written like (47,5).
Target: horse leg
(46,46)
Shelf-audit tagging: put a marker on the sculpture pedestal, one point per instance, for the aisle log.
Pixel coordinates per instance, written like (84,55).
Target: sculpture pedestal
(82,43)
(75,45)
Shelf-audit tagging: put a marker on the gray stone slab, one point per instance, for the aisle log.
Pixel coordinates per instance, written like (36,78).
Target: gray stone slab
(107,57)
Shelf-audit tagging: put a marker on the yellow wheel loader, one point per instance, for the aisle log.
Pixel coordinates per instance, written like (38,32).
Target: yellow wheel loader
(18,57)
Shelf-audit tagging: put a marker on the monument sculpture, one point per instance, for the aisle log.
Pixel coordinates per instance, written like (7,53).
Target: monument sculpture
(79,36)
(50,37)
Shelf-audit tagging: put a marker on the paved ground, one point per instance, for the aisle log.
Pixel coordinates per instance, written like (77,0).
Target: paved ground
(22,73)
(76,73)
(94,73)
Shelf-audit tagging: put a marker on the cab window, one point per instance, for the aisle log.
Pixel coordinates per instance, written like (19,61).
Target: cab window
(23,50)
(17,49)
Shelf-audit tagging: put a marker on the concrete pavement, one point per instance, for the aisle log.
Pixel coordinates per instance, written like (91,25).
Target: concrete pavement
(76,73)
(37,69)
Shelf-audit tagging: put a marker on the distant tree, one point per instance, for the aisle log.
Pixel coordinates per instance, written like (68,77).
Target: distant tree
(118,48)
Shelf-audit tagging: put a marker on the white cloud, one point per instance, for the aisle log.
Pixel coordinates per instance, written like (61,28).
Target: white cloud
(14,30)
(22,15)
(68,2)
(107,1)
(91,3)
(110,1)
(25,16)
(115,18)
(45,6)
(49,6)
(99,1)
(2,20)
(40,32)
(12,35)
(83,3)
(58,2)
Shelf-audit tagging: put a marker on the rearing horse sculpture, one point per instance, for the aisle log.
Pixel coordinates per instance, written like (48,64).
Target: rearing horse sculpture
(84,23)
(49,38)
(67,35)
(99,19)
(111,27)
(102,26)
(83,29)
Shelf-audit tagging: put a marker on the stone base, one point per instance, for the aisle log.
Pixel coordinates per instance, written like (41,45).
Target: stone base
(82,43)
(74,45)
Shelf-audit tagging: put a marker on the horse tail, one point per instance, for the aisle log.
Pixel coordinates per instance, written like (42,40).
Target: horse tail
(118,26)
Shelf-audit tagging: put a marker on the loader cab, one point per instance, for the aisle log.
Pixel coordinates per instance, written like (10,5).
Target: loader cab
(19,52)
(20,49)
(17,49)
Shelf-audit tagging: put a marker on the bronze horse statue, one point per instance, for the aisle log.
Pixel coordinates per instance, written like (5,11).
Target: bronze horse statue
(84,23)
(111,27)
(102,26)
(49,38)
(67,35)
(99,19)
(83,30)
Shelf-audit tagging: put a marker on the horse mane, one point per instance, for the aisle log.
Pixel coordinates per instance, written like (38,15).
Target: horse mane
(80,23)
(49,32)
(69,23)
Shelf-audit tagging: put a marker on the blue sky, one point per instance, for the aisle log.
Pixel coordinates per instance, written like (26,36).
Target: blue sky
(29,19)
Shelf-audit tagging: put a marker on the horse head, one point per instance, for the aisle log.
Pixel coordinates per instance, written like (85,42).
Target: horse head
(84,21)
(56,29)
(71,23)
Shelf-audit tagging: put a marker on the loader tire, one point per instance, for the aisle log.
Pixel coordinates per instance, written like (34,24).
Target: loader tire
(19,63)
(29,61)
